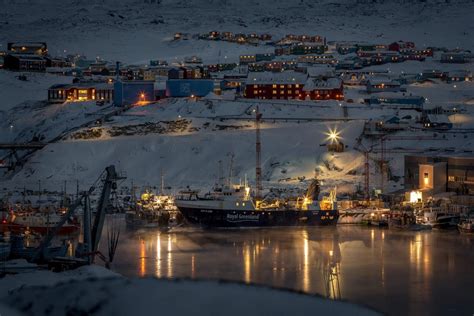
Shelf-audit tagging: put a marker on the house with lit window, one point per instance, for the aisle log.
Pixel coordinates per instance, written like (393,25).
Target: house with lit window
(274,66)
(28,48)
(383,85)
(82,91)
(440,173)
(324,89)
(188,72)
(400,45)
(456,57)
(346,48)
(284,85)
(246,59)
(458,76)
(317,59)
(25,62)
(432,74)
(292,85)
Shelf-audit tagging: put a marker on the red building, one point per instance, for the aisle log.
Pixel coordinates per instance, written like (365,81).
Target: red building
(397,46)
(292,85)
(324,89)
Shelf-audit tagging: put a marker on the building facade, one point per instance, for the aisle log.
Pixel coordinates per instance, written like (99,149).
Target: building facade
(442,173)
(80,92)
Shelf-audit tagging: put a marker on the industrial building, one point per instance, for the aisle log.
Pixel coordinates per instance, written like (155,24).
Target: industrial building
(176,88)
(441,173)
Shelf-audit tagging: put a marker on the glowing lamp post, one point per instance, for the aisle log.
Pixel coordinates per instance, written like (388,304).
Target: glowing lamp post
(333,136)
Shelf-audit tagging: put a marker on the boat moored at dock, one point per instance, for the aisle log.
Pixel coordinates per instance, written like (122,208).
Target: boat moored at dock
(234,207)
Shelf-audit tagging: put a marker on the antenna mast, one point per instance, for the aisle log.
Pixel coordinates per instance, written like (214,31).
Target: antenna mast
(231,165)
(162,184)
(258,169)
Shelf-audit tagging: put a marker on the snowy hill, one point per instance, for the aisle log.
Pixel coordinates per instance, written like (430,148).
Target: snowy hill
(136,31)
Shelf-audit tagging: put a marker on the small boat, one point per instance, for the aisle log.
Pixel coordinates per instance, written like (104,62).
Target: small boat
(466,226)
(364,216)
(405,222)
(439,219)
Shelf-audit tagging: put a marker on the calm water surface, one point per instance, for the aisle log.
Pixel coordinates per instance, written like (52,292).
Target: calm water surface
(394,272)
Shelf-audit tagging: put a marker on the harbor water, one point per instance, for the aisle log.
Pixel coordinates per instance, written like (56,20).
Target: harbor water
(394,272)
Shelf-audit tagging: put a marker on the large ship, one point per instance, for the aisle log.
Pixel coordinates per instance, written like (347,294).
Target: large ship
(235,205)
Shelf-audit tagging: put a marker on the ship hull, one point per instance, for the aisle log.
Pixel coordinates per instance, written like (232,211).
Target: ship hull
(215,218)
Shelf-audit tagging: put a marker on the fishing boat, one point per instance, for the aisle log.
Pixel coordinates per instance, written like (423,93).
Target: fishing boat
(39,222)
(235,206)
(152,211)
(466,226)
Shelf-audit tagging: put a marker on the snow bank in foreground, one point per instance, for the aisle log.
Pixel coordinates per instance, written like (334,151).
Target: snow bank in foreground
(47,278)
(119,296)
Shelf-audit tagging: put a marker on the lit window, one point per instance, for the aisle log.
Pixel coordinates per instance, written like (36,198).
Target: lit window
(426,178)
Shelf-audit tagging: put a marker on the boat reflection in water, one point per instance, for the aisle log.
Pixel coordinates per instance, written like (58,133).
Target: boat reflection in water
(396,272)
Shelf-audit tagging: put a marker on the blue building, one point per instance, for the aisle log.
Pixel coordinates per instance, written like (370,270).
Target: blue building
(401,100)
(176,88)
(133,92)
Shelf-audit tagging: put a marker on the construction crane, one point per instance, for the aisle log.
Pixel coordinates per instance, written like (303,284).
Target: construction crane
(360,147)
(258,150)
(91,234)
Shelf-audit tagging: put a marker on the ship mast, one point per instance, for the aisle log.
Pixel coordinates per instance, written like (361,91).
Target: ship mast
(258,169)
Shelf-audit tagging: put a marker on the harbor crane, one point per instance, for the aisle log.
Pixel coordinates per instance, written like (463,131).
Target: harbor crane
(92,234)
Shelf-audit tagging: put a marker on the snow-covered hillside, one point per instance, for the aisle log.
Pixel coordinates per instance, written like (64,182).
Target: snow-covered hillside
(136,31)
(141,142)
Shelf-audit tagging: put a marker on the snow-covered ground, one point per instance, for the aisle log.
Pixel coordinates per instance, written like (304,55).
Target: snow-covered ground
(93,290)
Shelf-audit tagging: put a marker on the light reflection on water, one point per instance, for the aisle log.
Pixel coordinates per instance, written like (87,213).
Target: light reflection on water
(394,272)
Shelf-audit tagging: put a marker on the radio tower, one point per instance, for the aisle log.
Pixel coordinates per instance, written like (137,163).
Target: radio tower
(258,169)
